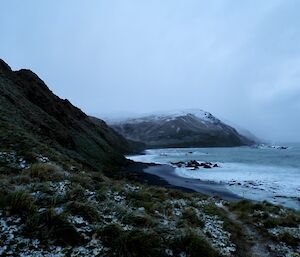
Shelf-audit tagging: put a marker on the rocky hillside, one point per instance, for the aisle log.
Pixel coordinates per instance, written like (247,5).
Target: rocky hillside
(33,120)
(192,128)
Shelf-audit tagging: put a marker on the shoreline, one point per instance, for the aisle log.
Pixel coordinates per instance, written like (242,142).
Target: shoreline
(164,175)
(136,171)
(271,180)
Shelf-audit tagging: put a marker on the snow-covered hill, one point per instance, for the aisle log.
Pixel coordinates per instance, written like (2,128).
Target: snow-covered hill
(186,128)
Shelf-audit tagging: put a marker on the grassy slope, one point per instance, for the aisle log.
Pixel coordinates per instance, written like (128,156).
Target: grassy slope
(33,119)
(69,209)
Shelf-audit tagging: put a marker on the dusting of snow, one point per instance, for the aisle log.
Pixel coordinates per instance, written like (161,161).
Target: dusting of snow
(60,188)
(14,244)
(292,231)
(281,249)
(91,196)
(218,236)
(169,252)
(42,159)
(168,116)
(13,160)
(131,188)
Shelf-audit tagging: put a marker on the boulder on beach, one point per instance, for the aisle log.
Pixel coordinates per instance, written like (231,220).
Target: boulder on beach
(193,164)
(178,164)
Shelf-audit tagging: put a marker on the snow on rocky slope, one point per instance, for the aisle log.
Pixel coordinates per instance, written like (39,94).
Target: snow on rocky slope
(185,128)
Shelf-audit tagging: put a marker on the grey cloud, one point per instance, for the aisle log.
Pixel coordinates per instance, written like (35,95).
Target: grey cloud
(236,59)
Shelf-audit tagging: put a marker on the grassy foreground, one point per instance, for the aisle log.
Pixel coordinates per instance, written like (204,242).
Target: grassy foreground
(61,209)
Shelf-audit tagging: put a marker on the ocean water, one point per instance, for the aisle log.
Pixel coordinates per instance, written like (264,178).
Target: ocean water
(255,173)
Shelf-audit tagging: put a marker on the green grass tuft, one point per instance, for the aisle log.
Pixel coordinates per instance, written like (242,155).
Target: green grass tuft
(20,202)
(189,215)
(132,243)
(42,172)
(49,226)
(85,210)
(193,245)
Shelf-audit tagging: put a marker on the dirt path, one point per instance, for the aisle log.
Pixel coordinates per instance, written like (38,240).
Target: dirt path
(257,244)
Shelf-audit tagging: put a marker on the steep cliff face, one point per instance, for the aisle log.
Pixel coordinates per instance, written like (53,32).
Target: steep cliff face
(192,128)
(33,119)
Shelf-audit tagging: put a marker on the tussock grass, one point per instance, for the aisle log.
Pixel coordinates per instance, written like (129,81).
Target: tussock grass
(246,206)
(84,179)
(20,202)
(289,220)
(51,226)
(194,245)
(150,198)
(76,193)
(139,220)
(288,239)
(101,192)
(131,243)
(190,217)
(44,172)
(21,179)
(110,233)
(85,210)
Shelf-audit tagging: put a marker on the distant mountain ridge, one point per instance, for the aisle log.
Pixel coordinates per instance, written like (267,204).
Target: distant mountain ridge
(186,128)
(33,119)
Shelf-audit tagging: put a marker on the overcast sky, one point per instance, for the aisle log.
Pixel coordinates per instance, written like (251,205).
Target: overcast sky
(239,60)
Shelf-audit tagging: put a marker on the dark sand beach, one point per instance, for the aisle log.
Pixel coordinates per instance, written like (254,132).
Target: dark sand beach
(164,175)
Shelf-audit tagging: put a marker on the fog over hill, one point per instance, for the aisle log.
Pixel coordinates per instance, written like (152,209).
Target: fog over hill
(239,60)
(184,128)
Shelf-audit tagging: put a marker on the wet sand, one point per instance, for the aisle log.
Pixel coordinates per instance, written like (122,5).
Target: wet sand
(164,175)
(167,173)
